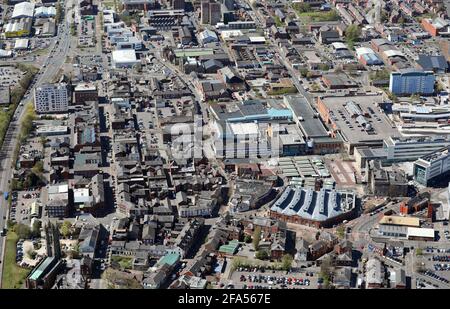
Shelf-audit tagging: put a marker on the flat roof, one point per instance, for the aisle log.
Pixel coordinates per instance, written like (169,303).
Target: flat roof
(37,273)
(124,55)
(169,259)
(351,127)
(193,52)
(399,220)
(420,232)
(310,124)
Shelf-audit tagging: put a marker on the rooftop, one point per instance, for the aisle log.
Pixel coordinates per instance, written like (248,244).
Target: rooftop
(398,220)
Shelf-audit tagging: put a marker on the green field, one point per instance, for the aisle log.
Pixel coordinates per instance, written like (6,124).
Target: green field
(13,275)
(319,16)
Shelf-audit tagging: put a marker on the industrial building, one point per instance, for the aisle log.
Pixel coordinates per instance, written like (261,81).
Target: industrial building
(21,44)
(18,28)
(412,81)
(246,128)
(23,10)
(306,206)
(435,63)
(315,132)
(367,56)
(430,168)
(45,12)
(124,58)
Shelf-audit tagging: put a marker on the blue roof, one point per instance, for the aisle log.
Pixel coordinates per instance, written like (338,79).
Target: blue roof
(170,259)
(279,113)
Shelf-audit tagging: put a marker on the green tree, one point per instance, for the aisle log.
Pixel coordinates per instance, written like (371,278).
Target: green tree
(38,168)
(65,228)
(380,74)
(75,252)
(326,271)
(36,229)
(278,21)
(323,67)
(286,261)
(23,231)
(58,15)
(303,72)
(247,239)
(262,255)
(301,7)
(340,231)
(352,35)
(256,237)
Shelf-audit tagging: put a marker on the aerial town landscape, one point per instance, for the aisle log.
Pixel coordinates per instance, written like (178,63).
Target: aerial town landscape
(224,144)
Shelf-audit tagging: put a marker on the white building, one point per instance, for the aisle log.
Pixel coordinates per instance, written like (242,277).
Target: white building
(23,9)
(409,149)
(51,98)
(207,36)
(45,12)
(432,166)
(21,44)
(124,58)
(5,53)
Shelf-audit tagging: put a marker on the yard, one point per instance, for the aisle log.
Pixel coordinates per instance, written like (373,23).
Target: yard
(317,16)
(13,275)
(124,262)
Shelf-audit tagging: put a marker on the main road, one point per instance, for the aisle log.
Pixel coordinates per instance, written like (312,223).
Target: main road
(47,72)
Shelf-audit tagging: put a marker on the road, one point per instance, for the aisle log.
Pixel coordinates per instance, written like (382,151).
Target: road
(50,68)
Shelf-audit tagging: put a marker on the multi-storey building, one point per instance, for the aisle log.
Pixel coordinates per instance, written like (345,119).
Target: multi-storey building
(51,98)
(211,12)
(411,81)
(408,149)
(433,166)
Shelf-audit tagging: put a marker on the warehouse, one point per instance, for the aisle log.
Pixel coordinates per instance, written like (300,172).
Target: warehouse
(45,12)
(48,29)
(124,58)
(18,28)
(21,44)
(367,56)
(22,10)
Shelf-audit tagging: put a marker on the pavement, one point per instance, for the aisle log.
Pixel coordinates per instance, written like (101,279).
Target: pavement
(50,68)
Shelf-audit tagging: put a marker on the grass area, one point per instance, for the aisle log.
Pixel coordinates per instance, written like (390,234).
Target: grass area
(246,262)
(283,91)
(319,16)
(278,21)
(39,52)
(109,4)
(124,262)
(13,275)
